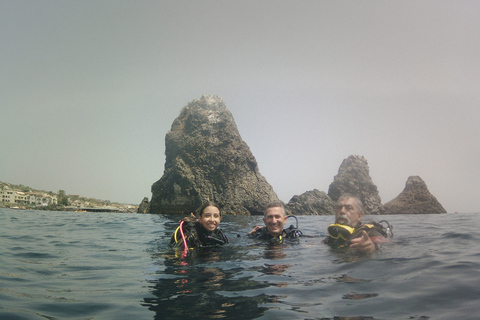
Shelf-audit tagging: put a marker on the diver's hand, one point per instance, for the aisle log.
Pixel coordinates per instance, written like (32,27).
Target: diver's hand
(363,243)
(192,218)
(255,229)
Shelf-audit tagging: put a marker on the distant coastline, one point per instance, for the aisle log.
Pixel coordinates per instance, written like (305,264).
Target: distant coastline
(27,198)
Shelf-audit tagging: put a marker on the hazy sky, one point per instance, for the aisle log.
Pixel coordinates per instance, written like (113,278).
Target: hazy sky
(90,88)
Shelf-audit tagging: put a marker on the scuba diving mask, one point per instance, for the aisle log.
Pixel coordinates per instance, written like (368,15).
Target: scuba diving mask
(340,232)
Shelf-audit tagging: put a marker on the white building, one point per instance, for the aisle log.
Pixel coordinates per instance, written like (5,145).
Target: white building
(14,196)
(18,197)
(7,195)
(42,199)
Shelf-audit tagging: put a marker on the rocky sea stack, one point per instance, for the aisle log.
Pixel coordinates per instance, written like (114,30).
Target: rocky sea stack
(354,178)
(313,202)
(415,198)
(144,206)
(206,159)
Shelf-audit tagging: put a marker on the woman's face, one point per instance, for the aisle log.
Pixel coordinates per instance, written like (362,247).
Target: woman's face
(210,218)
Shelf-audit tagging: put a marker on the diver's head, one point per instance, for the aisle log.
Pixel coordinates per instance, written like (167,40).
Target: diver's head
(275,218)
(349,210)
(210,216)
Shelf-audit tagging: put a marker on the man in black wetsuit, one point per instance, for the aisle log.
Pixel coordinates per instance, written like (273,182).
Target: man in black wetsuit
(348,230)
(274,219)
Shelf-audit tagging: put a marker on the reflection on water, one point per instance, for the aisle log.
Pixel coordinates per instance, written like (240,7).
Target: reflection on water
(359,296)
(346,278)
(191,288)
(248,279)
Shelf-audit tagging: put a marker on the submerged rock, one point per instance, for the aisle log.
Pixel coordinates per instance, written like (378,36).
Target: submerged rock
(206,159)
(354,178)
(311,203)
(415,198)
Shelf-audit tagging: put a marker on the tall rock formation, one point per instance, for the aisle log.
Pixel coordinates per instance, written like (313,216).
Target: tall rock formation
(354,178)
(415,198)
(206,159)
(311,203)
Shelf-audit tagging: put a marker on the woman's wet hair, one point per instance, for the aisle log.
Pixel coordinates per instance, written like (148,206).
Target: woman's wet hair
(208,204)
(349,196)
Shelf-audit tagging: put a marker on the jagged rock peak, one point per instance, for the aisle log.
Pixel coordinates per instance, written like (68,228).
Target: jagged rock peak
(311,203)
(415,198)
(209,109)
(144,206)
(207,160)
(354,178)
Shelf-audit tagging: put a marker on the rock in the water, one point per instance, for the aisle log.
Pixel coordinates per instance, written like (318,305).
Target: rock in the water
(354,178)
(144,206)
(207,160)
(311,203)
(415,198)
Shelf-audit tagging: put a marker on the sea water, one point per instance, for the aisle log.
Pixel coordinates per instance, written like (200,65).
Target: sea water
(65,265)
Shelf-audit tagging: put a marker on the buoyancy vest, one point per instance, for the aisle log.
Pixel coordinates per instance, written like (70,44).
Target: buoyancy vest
(289,233)
(340,235)
(197,236)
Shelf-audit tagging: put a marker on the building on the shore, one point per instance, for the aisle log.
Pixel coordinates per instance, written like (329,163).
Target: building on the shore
(31,198)
(10,197)
(42,199)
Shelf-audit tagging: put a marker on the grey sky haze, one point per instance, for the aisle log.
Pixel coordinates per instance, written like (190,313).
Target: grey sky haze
(90,88)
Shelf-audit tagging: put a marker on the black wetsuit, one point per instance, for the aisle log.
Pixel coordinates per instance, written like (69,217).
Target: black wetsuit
(262,234)
(197,236)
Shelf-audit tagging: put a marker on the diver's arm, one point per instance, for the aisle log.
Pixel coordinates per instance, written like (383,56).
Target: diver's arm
(363,243)
(255,230)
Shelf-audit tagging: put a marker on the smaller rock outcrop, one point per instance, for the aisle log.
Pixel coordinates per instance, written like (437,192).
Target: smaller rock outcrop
(311,203)
(415,198)
(144,206)
(354,178)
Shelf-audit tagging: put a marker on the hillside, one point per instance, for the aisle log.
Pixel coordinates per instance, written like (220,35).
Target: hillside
(61,200)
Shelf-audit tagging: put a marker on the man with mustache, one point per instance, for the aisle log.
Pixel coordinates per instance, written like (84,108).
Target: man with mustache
(348,230)
(274,219)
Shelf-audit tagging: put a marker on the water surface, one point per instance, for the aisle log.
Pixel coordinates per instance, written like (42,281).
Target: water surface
(65,265)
